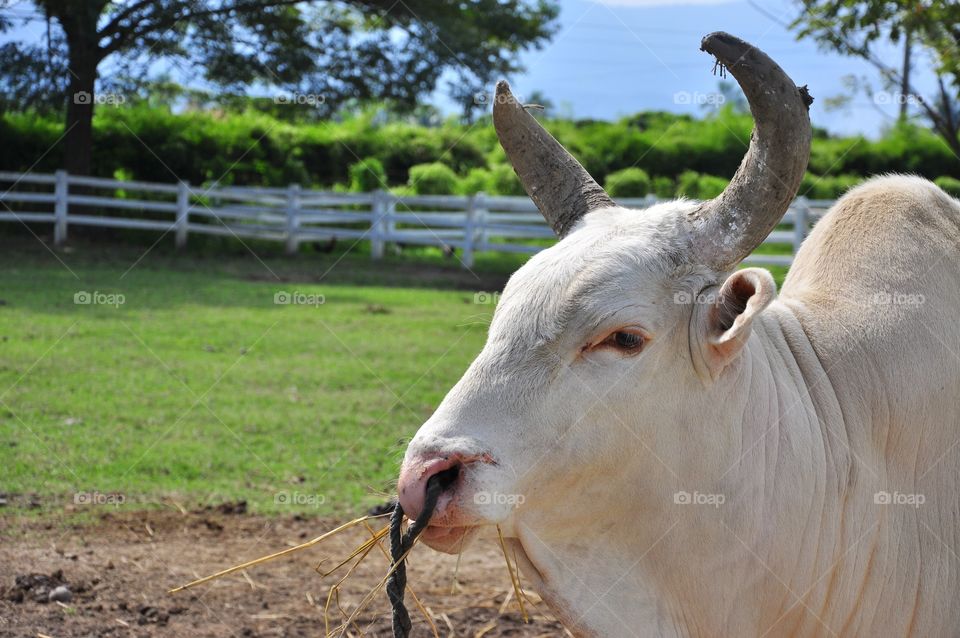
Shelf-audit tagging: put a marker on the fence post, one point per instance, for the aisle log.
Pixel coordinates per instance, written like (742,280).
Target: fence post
(801,212)
(61,193)
(293,218)
(378,212)
(183,213)
(389,220)
(475,210)
(482,212)
(468,226)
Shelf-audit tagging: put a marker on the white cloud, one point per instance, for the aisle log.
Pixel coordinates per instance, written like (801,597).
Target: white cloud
(659,3)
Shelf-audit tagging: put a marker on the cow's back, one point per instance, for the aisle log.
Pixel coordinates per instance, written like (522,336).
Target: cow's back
(876,287)
(886,234)
(877,282)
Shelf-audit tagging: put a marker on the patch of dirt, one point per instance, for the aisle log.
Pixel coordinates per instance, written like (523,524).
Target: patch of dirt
(118,571)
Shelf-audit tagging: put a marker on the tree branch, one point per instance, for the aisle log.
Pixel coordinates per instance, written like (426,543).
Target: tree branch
(123,37)
(114,25)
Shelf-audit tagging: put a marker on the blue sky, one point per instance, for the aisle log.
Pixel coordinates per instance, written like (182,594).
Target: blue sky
(611,58)
(615,57)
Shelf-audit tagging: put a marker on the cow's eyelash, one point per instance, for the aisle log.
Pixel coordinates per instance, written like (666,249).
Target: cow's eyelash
(624,340)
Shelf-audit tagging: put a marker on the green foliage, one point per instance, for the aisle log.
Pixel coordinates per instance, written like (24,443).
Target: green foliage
(710,186)
(314,43)
(628,182)
(866,29)
(663,186)
(433,179)
(904,148)
(503,181)
(697,186)
(687,184)
(322,55)
(949,184)
(827,186)
(367,175)
(498,180)
(477,180)
(28,135)
(254,148)
(402,190)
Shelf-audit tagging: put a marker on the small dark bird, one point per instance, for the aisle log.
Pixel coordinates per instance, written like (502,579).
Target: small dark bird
(325,246)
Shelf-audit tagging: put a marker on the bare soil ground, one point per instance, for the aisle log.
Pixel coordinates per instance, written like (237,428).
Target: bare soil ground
(120,566)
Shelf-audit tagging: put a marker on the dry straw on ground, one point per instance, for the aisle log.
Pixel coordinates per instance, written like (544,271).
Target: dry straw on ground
(348,620)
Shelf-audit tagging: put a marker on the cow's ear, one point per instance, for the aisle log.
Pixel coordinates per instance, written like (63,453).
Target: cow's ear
(724,323)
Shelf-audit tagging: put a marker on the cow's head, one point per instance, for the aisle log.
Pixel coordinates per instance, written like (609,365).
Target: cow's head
(607,350)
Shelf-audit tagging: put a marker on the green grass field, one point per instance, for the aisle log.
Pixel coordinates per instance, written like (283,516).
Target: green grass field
(196,388)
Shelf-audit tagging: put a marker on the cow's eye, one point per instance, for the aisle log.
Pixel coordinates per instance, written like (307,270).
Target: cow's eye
(626,341)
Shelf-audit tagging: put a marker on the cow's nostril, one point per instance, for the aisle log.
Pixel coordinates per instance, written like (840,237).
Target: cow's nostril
(447,477)
(422,481)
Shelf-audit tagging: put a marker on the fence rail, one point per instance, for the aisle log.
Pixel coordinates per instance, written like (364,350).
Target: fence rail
(467,224)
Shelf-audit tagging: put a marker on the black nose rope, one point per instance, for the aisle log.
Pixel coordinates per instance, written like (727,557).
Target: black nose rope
(399,546)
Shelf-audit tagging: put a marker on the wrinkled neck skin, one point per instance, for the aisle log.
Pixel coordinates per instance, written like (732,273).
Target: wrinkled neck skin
(737,561)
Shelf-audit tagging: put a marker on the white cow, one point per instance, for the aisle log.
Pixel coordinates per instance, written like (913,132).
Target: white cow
(673,449)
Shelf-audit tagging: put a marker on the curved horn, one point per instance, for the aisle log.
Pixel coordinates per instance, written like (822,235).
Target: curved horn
(729,227)
(556,182)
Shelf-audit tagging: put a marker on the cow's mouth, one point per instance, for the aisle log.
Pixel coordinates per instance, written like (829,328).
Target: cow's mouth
(449,540)
(452,522)
(449,531)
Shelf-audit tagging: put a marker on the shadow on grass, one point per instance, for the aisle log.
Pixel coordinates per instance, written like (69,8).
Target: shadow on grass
(45,278)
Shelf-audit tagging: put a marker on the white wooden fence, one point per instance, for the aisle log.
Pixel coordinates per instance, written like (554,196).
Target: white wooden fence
(469,224)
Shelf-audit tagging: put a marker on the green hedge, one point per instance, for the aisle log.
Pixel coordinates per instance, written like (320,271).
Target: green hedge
(628,182)
(949,184)
(827,186)
(655,152)
(367,175)
(696,186)
(433,179)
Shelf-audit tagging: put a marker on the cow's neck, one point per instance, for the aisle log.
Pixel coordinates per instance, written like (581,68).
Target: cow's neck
(726,562)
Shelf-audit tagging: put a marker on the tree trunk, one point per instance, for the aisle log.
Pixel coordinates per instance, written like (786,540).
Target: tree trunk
(79,21)
(949,128)
(905,81)
(78,138)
